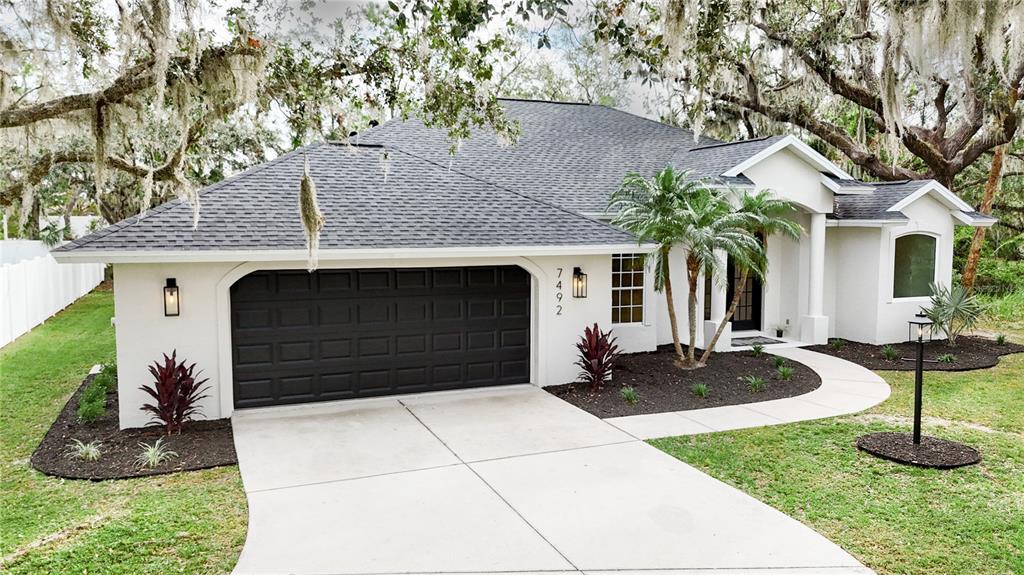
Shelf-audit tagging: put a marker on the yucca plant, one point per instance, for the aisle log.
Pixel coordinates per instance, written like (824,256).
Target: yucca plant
(953,311)
(598,353)
(176,392)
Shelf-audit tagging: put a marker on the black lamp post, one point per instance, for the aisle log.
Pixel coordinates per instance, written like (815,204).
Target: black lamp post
(919,324)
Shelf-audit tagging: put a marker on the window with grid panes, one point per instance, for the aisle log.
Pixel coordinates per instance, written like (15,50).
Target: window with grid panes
(627,288)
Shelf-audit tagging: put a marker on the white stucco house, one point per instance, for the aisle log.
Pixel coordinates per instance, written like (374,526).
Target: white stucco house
(442,272)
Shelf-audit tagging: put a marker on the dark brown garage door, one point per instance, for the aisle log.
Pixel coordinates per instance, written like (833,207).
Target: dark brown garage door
(336,334)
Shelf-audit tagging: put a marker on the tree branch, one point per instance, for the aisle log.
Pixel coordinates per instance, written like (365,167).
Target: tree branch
(829,133)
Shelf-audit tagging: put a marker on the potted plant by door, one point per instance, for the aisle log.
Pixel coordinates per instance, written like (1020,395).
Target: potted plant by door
(780,330)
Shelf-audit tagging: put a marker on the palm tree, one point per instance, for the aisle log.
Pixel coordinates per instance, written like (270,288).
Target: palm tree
(650,209)
(765,217)
(711,224)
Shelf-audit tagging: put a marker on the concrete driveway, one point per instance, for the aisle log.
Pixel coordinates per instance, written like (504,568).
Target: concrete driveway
(496,480)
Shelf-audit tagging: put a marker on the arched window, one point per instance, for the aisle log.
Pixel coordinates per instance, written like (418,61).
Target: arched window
(914,266)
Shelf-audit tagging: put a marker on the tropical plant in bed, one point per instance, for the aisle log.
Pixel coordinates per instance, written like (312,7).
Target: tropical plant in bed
(778,361)
(1001,339)
(84,451)
(953,311)
(154,455)
(755,383)
(701,390)
(837,343)
(757,349)
(785,372)
(597,354)
(947,358)
(175,391)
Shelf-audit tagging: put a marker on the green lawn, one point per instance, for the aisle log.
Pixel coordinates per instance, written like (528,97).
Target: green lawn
(895,519)
(181,523)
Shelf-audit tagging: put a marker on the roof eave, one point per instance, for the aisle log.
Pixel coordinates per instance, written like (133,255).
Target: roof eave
(790,141)
(210,256)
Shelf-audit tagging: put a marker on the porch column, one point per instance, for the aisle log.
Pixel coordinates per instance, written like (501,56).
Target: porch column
(718,305)
(814,325)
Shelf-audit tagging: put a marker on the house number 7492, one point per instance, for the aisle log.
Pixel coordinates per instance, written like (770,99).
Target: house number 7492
(558,293)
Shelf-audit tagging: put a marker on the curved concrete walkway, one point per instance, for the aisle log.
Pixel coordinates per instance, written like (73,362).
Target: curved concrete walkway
(845,388)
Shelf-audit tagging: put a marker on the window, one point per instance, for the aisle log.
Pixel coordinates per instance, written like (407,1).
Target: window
(627,288)
(914,266)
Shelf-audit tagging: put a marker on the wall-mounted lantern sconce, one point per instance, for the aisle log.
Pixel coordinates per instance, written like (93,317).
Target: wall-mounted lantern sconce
(579,283)
(172,303)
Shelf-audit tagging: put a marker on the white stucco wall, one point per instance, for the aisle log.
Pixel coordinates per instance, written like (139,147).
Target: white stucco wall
(927,215)
(793,179)
(854,255)
(201,334)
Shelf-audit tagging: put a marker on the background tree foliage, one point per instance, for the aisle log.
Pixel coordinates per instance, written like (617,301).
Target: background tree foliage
(151,99)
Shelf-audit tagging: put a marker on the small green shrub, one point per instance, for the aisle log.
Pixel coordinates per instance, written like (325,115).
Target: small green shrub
(1001,339)
(630,395)
(890,352)
(837,343)
(757,349)
(154,455)
(755,383)
(947,358)
(785,372)
(700,390)
(84,451)
(778,361)
(92,404)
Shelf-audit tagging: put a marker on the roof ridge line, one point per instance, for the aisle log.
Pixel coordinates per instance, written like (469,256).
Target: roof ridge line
(690,133)
(748,140)
(514,99)
(520,194)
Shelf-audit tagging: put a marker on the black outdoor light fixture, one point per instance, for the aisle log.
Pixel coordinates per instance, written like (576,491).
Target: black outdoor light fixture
(172,303)
(579,283)
(918,326)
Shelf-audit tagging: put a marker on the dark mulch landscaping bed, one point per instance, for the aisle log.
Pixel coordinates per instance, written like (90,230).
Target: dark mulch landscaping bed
(202,445)
(931,452)
(971,352)
(661,386)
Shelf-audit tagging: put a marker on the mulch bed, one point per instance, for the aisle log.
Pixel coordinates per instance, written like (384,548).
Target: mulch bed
(203,444)
(971,352)
(662,386)
(932,452)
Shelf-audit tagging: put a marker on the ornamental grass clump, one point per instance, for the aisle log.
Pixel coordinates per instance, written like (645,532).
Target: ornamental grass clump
(630,395)
(175,391)
(889,352)
(701,390)
(785,372)
(756,384)
(84,451)
(154,455)
(597,355)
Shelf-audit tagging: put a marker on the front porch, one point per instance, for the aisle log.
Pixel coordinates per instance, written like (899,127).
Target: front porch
(790,298)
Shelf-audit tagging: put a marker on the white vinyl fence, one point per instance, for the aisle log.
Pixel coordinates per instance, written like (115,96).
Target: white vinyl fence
(33,286)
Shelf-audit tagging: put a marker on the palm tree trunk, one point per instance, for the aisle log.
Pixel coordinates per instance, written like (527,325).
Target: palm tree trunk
(670,300)
(692,271)
(736,296)
(991,187)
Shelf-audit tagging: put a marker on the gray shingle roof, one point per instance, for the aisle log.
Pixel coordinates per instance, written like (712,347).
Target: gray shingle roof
(422,204)
(573,155)
(873,206)
(711,161)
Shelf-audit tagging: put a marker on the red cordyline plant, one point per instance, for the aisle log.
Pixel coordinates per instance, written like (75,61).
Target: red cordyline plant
(176,392)
(598,353)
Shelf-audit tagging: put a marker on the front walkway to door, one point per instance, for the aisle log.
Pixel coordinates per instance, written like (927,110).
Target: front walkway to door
(493,480)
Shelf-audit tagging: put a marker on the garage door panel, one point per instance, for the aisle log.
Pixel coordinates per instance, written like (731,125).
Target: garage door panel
(336,334)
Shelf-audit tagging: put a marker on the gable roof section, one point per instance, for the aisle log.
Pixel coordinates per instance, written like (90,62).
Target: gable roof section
(797,146)
(889,198)
(420,205)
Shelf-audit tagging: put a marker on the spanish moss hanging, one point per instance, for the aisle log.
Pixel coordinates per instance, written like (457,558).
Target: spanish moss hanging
(312,218)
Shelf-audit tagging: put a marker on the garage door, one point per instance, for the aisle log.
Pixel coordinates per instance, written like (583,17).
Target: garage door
(337,334)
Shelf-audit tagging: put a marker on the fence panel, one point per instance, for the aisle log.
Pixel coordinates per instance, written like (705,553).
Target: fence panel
(33,286)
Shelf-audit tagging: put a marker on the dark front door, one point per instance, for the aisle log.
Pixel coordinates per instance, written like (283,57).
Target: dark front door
(336,334)
(748,312)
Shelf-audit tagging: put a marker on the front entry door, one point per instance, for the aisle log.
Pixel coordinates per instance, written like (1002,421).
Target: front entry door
(748,312)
